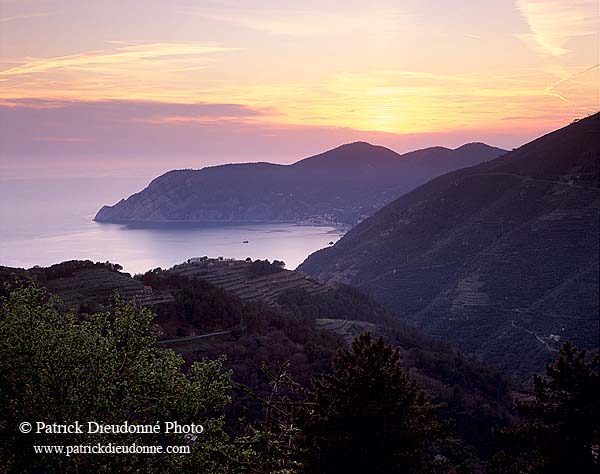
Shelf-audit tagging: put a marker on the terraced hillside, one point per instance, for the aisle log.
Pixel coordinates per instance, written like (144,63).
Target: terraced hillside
(284,317)
(84,285)
(100,285)
(501,258)
(236,277)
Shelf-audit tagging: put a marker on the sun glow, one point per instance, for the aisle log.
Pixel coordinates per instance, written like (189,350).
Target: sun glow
(394,71)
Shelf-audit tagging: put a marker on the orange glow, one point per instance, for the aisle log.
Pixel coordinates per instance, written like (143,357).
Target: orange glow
(276,61)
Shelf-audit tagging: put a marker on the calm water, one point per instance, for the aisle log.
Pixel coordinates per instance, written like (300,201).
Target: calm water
(49,220)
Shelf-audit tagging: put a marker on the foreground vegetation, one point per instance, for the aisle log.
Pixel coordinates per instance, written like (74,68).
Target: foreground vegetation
(365,414)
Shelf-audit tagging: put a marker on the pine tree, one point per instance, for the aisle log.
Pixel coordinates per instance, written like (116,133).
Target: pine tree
(368,415)
(561,432)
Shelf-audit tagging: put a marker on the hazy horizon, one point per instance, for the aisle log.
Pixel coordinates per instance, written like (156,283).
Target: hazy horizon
(139,166)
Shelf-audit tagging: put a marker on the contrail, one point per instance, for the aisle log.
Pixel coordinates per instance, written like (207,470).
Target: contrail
(550,89)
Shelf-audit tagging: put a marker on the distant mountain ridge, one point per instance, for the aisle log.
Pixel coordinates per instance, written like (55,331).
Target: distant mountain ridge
(340,186)
(501,258)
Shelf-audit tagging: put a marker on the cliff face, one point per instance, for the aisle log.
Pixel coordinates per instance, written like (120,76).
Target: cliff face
(500,258)
(342,186)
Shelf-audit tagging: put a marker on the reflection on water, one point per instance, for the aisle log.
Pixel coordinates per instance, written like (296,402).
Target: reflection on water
(49,221)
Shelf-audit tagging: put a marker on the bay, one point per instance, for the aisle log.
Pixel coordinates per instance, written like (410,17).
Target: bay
(47,220)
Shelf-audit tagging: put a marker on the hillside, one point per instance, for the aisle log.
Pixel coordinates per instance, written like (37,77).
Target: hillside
(85,285)
(244,279)
(341,186)
(303,324)
(500,258)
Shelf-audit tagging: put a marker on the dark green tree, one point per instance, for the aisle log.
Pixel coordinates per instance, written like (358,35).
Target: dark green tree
(561,428)
(369,416)
(57,367)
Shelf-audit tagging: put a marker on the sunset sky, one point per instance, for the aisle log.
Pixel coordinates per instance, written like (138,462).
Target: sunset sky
(188,83)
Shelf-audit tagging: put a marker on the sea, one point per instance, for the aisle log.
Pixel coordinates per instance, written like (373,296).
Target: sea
(49,219)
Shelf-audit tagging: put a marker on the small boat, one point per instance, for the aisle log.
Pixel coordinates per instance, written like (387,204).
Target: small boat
(331,243)
(244,241)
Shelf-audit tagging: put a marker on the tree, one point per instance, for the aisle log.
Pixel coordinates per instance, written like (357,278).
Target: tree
(264,267)
(271,445)
(368,415)
(561,431)
(55,367)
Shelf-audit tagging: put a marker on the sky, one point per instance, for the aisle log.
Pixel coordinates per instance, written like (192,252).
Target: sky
(113,85)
